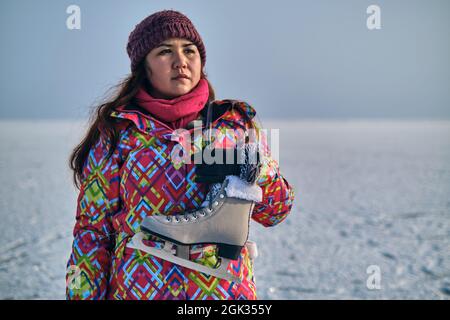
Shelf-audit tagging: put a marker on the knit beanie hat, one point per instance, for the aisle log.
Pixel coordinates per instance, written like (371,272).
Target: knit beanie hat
(156,28)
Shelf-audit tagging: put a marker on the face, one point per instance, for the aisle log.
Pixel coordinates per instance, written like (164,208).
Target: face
(165,64)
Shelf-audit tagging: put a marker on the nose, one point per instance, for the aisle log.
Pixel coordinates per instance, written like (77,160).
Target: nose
(180,61)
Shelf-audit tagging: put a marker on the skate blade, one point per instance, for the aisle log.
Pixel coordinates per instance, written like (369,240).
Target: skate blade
(166,254)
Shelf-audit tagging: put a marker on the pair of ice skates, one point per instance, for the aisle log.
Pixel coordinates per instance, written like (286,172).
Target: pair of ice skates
(223,220)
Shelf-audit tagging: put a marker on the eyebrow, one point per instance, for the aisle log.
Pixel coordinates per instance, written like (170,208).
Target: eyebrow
(169,45)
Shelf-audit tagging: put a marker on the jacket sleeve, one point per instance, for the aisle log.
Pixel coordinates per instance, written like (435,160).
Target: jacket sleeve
(278,195)
(88,266)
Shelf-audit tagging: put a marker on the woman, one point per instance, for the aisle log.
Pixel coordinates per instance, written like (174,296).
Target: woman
(124,173)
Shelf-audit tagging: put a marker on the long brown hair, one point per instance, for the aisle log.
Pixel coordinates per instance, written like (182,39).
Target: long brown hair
(101,121)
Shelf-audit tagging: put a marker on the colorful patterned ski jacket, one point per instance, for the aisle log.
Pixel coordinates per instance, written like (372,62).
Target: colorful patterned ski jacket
(139,180)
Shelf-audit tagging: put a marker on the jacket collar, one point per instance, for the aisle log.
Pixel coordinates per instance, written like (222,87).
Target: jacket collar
(223,110)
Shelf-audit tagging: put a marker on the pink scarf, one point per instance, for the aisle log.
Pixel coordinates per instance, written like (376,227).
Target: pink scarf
(178,112)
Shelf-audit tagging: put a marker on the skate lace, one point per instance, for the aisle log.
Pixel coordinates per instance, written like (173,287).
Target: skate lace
(192,214)
(213,192)
(187,216)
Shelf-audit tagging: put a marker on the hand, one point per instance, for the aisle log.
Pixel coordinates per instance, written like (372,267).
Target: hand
(242,162)
(214,169)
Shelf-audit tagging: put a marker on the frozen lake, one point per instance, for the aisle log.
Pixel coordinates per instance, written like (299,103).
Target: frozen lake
(368,193)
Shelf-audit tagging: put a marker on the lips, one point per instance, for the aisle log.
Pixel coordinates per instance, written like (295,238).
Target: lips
(181,76)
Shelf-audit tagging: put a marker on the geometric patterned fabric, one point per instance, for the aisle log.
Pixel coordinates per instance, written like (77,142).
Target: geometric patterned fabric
(144,176)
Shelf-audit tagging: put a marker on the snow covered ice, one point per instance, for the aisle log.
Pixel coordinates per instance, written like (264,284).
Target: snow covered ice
(368,193)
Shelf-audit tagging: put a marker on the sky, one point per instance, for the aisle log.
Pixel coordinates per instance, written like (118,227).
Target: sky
(288,59)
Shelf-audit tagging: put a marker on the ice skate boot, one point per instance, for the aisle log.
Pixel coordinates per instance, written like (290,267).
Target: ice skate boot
(223,221)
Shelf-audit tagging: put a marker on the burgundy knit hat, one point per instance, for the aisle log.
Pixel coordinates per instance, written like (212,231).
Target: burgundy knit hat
(156,28)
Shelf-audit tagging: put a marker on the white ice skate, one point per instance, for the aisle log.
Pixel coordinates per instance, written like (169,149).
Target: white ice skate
(224,221)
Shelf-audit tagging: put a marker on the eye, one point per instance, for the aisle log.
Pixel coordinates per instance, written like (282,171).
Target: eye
(164,51)
(190,51)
